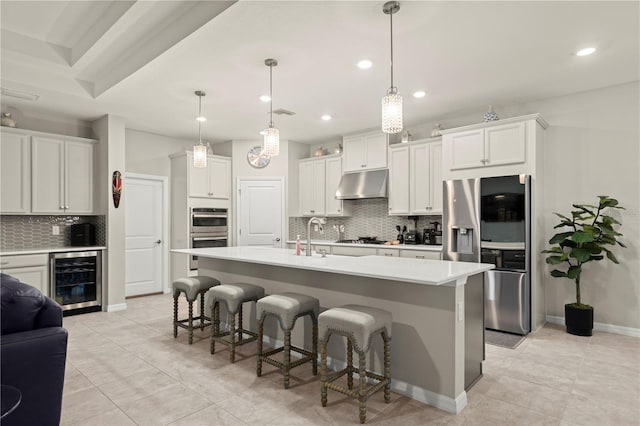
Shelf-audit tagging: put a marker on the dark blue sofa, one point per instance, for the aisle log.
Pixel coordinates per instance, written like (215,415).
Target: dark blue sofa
(34,352)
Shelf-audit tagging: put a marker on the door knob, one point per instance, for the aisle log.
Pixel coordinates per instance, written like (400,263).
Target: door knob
(159,242)
(278,239)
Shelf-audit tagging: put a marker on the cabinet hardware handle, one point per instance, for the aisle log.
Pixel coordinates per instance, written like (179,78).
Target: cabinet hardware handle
(419,257)
(338,210)
(388,254)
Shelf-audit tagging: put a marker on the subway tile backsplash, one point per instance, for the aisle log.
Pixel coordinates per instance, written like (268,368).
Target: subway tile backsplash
(34,232)
(369,218)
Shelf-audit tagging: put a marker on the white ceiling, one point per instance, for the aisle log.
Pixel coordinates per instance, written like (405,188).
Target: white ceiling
(143,60)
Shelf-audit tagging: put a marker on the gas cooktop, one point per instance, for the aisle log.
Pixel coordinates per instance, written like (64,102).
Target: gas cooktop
(362,241)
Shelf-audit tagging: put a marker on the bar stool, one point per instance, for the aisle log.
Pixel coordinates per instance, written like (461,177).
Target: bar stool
(358,324)
(191,287)
(233,296)
(287,307)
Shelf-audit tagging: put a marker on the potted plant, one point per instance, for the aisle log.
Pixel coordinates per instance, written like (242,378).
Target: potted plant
(588,239)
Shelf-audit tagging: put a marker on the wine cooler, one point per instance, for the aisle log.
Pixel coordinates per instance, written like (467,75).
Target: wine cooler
(76,281)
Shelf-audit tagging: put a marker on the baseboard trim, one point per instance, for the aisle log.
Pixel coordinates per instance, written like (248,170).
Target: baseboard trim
(442,402)
(117,307)
(601,326)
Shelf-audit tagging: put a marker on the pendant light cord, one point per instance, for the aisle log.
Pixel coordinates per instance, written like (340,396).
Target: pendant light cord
(270,95)
(199,115)
(391,21)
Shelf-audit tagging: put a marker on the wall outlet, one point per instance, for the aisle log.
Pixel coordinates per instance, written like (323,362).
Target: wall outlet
(55,230)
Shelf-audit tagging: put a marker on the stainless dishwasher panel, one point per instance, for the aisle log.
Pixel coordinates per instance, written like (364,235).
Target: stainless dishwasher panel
(507,301)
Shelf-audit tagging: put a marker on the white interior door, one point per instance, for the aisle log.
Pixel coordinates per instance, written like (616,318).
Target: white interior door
(260,212)
(144,235)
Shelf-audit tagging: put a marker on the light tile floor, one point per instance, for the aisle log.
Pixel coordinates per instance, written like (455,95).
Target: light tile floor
(125,368)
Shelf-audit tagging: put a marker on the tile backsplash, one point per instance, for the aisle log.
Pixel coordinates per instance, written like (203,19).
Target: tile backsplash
(34,232)
(369,218)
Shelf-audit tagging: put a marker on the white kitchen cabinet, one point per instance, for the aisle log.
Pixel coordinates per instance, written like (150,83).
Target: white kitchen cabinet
(333,174)
(15,173)
(312,187)
(388,252)
(415,178)
(31,269)
(399,179)
(61,175)
(213,181)
(421,254)
(365,151)
(425,178)
(353,251)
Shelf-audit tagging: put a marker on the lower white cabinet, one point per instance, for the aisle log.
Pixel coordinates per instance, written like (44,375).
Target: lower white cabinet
(420,254)
(353,251)
(389,252)
(31,269)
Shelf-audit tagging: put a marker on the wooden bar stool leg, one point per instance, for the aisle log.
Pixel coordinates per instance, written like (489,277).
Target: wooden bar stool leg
(323,370)
(362,397)
(260,336)
(240,323)
(215,315)
(175,315)
(349,364)
(232,335)
(202,311)
(387,367)
(190,321)
(287,357)
(315,346)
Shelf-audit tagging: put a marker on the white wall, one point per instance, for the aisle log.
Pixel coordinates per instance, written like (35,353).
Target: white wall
(46,121)
(148,153)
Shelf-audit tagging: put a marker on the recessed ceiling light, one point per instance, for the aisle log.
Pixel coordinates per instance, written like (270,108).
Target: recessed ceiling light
(265,98)
(586,51)
(365,64)
(326,117)
(419,94)
(201,118)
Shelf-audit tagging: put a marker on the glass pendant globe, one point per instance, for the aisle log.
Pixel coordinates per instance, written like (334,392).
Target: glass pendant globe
(392,113)
(271,141)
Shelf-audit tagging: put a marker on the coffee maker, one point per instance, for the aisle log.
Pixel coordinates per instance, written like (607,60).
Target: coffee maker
(433,235)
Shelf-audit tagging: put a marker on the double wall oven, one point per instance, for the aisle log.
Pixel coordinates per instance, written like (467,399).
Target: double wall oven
(208,228)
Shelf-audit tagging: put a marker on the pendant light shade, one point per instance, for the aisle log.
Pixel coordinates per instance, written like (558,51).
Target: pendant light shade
(200,150)
(392,102)
(271,145)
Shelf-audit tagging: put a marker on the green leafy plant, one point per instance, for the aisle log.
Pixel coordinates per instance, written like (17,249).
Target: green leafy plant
(590,235)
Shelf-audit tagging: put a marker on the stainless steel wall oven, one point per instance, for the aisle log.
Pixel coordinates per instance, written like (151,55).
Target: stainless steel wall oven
(76,281)
(208,228)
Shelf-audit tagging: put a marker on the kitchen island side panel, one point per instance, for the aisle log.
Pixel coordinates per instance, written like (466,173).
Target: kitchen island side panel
(425,335)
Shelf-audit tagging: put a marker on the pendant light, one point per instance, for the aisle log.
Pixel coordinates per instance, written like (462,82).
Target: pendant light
(271,144)
(392,102)
(200,150)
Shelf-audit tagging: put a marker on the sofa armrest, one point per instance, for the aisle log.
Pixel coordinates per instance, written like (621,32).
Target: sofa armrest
(34,362)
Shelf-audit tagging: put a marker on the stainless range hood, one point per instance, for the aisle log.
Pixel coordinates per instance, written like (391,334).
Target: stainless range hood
(365,184)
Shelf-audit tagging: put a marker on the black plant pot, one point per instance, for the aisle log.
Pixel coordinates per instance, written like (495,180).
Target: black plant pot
(579,321)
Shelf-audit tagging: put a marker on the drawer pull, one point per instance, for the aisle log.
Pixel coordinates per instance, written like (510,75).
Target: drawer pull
(419,257)
(388,254)
(4,263)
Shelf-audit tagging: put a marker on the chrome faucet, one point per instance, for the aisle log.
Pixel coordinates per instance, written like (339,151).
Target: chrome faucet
(320,221)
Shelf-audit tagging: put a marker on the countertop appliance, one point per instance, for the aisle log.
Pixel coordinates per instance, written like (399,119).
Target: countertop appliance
(209,228)
(76,281)
(488,220)
(83,234)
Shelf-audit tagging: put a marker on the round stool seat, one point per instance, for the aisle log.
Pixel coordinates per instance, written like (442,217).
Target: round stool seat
(194,285)
(287,307)
(235,294)
(359,321)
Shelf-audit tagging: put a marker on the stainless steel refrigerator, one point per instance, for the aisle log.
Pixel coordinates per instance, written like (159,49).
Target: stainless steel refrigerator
(488,220)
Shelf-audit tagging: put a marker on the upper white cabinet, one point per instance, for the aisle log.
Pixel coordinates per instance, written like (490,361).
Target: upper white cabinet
(15,173)
(399,180)
(497,148)
(312,187)
(333,174)
(213,181)
(365,151)
(319,179)
(61,176)
(415,178)
(425,180)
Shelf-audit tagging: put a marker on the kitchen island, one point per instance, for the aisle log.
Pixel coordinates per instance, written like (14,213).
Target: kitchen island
(437,344)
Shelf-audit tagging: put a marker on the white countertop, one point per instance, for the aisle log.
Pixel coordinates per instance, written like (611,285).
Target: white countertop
(10,252)
(419,271)
(418,247)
